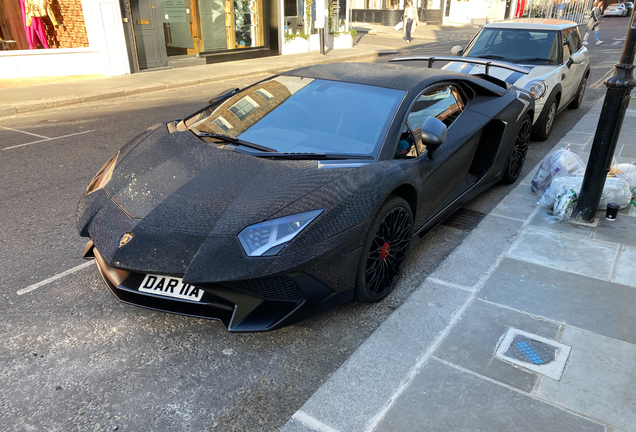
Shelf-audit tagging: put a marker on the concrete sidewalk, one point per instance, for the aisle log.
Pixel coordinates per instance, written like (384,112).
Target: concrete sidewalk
(445,359)
(55,94)
(430,32)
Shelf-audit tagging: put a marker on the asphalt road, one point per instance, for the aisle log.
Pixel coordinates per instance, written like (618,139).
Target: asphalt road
(73,358)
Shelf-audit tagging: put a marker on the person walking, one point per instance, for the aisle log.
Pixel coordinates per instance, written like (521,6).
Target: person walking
(593,23)
(410,20)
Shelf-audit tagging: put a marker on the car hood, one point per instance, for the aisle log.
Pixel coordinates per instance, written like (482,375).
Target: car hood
(176,181)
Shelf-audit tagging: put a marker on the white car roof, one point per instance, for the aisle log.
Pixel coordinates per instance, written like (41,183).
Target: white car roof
(533,24)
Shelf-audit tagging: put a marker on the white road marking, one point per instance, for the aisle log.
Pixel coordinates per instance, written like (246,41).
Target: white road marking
(48,139)
(312,422)
(54,278)
(24,132)
(616,43)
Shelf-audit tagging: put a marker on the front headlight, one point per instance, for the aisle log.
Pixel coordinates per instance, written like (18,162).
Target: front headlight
(103,175)
(537,88)
(270,237)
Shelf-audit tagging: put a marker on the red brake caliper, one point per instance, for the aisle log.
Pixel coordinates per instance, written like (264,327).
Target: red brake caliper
(384,252)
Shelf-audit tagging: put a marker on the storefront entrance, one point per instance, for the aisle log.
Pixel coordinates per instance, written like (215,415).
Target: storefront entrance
(166,29)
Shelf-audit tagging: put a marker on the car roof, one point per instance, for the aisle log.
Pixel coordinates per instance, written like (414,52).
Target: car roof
(533,24)
(389,75)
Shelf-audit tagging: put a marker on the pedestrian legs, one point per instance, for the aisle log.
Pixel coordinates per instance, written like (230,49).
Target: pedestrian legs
(409,25)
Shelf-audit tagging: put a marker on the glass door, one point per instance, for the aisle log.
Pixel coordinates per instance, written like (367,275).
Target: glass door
(178,26)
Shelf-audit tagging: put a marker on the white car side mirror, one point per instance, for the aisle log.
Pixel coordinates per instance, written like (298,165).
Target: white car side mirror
(577,58)
(457,50)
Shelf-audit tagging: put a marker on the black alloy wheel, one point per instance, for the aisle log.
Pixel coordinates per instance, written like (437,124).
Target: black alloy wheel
(517,157)
(385,251)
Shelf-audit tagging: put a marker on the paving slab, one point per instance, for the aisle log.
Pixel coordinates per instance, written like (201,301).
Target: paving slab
(473,341)
(479,251)
(518,204)
(626,267)
(568,252)
(622,230)
(541,221)
(442,398)
(602,307)
(361,387)
(629,151)
(599,381)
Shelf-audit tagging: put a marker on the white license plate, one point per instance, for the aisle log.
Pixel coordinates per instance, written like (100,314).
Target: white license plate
(170,287)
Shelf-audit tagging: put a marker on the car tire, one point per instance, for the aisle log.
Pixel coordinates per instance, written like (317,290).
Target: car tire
(517,156)
(545,127)
(578,99)
(385,250)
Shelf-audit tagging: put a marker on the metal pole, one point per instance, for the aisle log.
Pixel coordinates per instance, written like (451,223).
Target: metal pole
(619,87)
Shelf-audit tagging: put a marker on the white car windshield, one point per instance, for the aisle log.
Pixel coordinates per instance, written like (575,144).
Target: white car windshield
(516,46)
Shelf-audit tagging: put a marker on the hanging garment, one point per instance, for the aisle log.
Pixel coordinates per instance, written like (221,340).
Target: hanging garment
(12,25)
(34,31)
(39,8)
(521,7)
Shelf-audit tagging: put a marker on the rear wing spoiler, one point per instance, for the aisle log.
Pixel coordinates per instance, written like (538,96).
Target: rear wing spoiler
(474,60)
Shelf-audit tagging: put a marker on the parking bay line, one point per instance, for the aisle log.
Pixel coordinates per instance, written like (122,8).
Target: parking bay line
(47,139)
(54,278)
(24,132)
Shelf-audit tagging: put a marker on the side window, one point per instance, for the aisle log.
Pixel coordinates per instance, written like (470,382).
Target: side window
(569,46)
(406,147)
(443,102)
(576,38)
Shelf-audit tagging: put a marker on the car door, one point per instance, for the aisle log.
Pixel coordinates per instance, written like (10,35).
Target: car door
(444,172)
(570,76)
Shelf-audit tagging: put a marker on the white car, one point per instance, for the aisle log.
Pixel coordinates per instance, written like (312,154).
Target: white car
(553,51)
(616,9)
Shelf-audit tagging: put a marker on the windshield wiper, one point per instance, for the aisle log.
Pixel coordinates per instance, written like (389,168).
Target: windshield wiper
(232,140)
(534,59)
(305,156)
(490,57)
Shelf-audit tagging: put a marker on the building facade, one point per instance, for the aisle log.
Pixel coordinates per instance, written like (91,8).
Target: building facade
(61,37)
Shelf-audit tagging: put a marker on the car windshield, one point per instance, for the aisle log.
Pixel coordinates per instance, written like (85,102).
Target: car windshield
(302,115)
(516,46)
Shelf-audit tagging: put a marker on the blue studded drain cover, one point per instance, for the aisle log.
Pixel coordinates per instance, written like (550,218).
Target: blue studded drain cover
(531,351)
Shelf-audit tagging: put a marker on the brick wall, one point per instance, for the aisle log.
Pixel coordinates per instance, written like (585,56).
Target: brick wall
(71,32)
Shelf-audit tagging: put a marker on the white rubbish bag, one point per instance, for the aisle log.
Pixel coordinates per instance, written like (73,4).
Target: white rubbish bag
(564,205)
(399,26)
(559,163)
(615,190)
(550,196)
(628,173)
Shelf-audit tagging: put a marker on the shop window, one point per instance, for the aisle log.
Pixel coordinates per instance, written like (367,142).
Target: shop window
(45,24)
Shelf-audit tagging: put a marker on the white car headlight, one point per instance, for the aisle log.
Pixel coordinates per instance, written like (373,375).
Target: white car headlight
(268,238)
(537,88)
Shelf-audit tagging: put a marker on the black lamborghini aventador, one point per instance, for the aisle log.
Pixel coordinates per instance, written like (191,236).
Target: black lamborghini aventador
(300,192)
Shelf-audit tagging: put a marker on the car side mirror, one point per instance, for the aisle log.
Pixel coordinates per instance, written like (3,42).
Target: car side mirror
(577,57)
(433,135)
(224,94)
(457,50)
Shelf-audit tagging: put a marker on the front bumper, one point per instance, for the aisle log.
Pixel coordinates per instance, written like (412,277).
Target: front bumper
(260,304)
